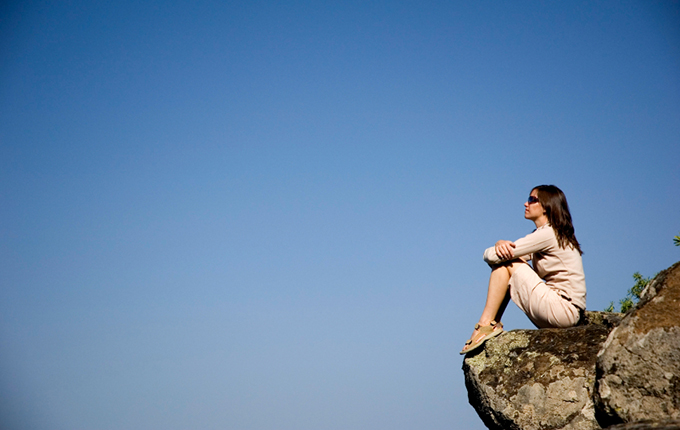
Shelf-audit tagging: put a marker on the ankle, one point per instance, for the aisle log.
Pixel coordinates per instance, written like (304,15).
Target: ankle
(487,322)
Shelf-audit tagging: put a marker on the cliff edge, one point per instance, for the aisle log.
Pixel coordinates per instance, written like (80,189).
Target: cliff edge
(613,370)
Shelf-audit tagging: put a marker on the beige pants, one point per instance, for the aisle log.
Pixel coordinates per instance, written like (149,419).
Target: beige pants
(543,305)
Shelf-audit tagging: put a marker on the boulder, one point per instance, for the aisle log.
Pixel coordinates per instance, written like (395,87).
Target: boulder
(638,368)
(538,379)
(619,372)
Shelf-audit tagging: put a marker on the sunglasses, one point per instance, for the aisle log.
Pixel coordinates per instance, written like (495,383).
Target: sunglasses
(532,199)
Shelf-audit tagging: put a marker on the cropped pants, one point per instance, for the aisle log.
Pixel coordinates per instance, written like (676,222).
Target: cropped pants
(544,306)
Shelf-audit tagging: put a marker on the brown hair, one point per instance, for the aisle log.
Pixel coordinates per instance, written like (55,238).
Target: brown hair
(556,209)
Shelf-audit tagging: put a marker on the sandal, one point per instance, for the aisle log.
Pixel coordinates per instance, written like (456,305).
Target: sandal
(485,333)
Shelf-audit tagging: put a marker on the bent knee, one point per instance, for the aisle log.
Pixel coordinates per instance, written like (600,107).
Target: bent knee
(515,264)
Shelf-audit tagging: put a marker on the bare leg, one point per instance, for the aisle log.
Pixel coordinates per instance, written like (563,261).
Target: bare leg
(498,296)
(501,310)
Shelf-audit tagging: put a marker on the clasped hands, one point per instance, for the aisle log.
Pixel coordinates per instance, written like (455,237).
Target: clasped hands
(505,249)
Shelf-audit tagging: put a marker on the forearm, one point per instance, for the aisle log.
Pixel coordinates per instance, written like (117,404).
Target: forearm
(492,259)
(490,256)
(523,248)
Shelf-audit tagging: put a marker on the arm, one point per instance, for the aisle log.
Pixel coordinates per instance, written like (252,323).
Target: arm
(537,241)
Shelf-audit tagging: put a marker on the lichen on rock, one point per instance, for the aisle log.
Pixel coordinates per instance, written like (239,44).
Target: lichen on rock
(536,379)
(613,370)
(638,367)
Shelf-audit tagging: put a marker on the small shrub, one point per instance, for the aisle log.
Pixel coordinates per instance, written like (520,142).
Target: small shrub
(633,295)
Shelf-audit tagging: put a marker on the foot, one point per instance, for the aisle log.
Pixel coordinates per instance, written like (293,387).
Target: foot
(481,335)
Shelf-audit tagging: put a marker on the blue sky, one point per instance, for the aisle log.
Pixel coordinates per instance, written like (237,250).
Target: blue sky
(271,215)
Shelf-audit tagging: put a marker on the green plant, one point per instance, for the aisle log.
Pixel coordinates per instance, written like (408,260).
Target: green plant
(633,295)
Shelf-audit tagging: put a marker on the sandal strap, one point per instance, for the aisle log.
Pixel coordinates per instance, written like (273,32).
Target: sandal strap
(492,324)
(485,332)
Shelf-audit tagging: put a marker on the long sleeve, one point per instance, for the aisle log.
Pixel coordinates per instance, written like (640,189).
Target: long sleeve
(561,268)
(539,240)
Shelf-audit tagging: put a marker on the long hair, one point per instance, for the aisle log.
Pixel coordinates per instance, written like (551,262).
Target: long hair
(556,209)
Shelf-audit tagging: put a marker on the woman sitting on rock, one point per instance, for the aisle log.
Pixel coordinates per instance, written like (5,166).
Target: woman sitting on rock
(553,292)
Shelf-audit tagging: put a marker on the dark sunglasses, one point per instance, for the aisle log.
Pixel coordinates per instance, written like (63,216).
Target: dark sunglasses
(532,199)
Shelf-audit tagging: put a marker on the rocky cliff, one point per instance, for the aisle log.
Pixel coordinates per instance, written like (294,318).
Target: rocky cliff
(613,370)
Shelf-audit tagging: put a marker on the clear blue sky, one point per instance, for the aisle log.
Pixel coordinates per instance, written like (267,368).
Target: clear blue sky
(271,214)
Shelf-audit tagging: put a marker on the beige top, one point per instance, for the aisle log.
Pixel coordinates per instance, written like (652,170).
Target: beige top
(562,269)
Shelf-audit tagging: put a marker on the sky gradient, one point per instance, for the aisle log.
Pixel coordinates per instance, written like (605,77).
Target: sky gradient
(272,214)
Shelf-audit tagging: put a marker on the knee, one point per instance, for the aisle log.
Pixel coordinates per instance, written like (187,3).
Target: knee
(502,269)
(513,265)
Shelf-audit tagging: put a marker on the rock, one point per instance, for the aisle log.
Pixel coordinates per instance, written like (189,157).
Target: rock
(648,425)
(538,379)
(607,319)
(620,372)
(638,368)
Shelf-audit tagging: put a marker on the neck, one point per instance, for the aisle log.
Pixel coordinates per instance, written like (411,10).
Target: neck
(540,222)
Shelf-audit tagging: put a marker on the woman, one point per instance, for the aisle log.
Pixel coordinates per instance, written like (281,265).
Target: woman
(553,292)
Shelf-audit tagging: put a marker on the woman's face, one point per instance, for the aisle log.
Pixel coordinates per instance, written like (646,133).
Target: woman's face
(533,209)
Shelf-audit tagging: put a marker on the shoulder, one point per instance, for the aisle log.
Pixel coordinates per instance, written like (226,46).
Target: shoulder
(545,231)
(544,235)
